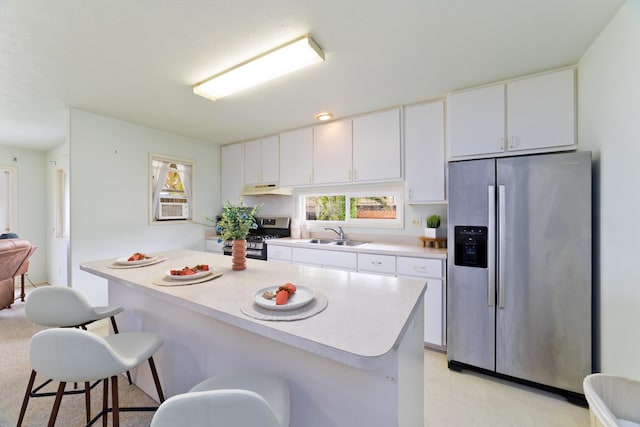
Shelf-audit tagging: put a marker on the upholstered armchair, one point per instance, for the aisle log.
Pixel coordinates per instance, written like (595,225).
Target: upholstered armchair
(14,261)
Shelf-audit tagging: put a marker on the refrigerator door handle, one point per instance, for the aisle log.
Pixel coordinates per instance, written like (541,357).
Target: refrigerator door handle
(502,237)
(491,247)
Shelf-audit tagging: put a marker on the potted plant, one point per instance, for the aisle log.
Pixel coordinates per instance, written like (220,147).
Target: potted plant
(433,227)
(234,225)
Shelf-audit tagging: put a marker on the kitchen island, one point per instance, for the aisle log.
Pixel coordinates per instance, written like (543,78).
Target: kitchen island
(357,362)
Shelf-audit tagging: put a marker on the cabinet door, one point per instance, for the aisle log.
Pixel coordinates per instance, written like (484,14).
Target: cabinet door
(424,158)
(270,159)
(296,157)
(376,146)
(252,161)
(476,121)
(541,112)
(326,258)
(232,172)
(332,152)
(433,313)
(279,253)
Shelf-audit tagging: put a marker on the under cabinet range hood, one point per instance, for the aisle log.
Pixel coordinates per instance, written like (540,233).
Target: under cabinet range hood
(265,190)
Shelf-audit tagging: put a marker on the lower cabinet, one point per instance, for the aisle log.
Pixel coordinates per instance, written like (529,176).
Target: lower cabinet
(433,271)
(325,258)
(279,253)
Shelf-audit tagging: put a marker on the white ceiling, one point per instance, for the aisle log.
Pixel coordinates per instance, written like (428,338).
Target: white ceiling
(137,60)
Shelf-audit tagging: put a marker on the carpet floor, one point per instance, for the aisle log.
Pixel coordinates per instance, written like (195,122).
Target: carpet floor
(15,332)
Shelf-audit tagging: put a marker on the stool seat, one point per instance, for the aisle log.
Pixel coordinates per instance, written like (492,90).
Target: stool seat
(234,400)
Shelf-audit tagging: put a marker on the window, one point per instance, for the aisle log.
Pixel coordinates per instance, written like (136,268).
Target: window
(358,207)
(8,200)
(171,188)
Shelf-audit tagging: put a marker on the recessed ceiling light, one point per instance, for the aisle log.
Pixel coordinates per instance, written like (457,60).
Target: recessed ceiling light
(324,116)
(284,59)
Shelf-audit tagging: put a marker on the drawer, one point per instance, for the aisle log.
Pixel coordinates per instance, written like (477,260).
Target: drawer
(325,258)
(280,253)
(422,267)
(384,264)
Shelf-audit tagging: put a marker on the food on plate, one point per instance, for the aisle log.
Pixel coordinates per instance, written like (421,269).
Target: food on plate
(283,293)
(138,256)
(268,295)
(187,271)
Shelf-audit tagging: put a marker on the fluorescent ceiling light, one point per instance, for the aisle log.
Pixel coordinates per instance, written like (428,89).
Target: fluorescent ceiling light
(291,56)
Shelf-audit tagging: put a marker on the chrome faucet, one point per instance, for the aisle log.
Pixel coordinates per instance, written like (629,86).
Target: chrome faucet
(339,233)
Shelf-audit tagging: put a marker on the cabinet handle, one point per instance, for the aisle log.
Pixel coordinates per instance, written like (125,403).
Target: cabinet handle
(376,262)
(511,141)
(350,175)
(419,268)
(410,194)
(502,142)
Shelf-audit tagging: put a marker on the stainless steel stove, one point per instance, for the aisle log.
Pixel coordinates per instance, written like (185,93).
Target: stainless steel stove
(268,228)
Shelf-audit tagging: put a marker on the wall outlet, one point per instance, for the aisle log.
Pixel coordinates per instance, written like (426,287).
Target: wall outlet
(416,222)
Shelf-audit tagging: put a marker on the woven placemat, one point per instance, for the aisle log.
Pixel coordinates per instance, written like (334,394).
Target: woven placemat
(319,303)
(166,281)
(116,265)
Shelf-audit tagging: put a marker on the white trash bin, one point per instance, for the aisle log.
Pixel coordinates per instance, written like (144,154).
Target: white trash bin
(613,401)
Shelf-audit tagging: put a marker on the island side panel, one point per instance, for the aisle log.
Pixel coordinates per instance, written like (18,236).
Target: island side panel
(324,392)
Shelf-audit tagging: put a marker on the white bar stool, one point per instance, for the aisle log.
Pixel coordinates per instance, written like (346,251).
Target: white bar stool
(235,400)
(68,355)
(60,306)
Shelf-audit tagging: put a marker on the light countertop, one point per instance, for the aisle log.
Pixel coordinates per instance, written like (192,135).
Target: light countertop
(365,318)
(373,247)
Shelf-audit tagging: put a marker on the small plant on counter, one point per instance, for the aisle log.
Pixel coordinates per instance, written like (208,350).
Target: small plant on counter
(236,221)
(433,229)
(433,221)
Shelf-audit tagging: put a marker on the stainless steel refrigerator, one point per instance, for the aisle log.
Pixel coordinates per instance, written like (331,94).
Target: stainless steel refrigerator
(519,275)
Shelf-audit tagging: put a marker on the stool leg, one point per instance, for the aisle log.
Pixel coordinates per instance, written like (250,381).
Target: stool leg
(156,380)
(56,404)
(22,295)
(25,401)
(105,401)
(114,401)
(87,400)
(115,331)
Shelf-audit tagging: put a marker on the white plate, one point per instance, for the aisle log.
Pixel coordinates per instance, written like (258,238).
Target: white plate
(125,261)
(301,297)
(197,275)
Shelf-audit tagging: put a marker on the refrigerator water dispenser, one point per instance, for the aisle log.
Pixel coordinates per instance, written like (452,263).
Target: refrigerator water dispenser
(470,246)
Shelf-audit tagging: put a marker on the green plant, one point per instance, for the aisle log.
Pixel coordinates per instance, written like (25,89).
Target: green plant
(433,221)
(236,221)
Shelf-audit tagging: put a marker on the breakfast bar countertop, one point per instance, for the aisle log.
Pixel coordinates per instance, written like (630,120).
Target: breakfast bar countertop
(364,321)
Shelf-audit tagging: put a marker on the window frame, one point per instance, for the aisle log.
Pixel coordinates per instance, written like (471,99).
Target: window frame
(191,199)
(350,192)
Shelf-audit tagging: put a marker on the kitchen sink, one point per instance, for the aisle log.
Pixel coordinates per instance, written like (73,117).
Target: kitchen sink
(334,242)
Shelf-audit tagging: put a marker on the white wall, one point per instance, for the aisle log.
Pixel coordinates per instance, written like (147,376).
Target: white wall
(30,165)
(609,111)
(109,190)
(57,247)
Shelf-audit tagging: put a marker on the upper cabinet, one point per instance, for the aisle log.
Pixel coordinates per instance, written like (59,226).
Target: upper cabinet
(296,157)
(377,147)
(262,160)
(332,152)
(424,153)
(364,149)
(528,115)
(232,172)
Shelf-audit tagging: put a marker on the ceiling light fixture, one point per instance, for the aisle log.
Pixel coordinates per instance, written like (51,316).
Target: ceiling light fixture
(284,59)
(324,116)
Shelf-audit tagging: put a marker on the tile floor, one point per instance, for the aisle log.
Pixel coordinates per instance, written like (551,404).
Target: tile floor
(456,399)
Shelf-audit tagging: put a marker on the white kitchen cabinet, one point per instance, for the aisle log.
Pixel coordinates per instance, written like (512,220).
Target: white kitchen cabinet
(296,157)
(432,271)
(541,112)
(332,145)
(476,121)
(529,115)
(377,146)
(262,160)
(325,258)
(279,253)
(424,157)
(378,264)
(232,172)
